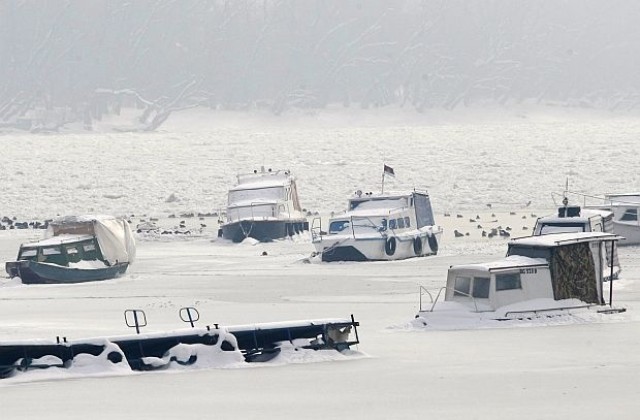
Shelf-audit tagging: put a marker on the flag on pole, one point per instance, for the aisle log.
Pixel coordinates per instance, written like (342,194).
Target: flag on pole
(388,170)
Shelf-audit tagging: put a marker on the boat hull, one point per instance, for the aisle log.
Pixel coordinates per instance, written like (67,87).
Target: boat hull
(32,272)
(631,233)
(378,248)
(262,230)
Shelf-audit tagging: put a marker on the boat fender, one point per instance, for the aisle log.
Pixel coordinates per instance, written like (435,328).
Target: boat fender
(433,242)
(417,245)
(390,246)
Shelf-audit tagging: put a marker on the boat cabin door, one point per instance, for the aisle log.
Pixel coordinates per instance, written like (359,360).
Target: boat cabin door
(316,229)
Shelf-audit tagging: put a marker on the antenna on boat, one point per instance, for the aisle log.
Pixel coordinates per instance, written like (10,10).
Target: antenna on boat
(565,199)
(387,170)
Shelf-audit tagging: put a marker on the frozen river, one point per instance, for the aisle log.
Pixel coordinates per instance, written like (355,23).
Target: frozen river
(587,369)
(464,166)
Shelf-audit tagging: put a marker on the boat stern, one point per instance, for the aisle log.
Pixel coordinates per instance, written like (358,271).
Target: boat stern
(13,267)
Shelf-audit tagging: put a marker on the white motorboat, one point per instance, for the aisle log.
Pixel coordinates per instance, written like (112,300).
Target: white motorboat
(264,205)
(379,228)
(577,219)
(625,208)
(543,276)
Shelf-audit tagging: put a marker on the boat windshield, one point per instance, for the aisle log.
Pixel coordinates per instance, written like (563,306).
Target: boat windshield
(561,228)
(338,226)
(364,225)
(62,254)
(257,194)
(28,254)
(630,215)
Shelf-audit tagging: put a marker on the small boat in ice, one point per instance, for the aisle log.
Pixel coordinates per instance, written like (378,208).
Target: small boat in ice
(264,205)
(625,209)
(577,219)
(379,228)
(543,275)
(77,249)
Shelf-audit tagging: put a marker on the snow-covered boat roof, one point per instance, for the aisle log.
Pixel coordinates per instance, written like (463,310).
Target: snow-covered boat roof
(559,239)
(59,240)
(585,214)
(113,234)
(596,212)
(372,212)
(260,184)
(263,179)
(393,195)
(609,196)
(81,219)
(373,203)
(583,218)
(512,261)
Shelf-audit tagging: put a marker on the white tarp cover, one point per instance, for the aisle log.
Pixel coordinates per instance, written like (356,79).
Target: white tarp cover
(114,235)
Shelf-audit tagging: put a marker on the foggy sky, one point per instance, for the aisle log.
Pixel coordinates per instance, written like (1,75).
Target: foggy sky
(234,54)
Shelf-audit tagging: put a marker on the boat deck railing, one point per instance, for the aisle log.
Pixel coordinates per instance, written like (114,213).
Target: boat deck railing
(433,302)
(535,312)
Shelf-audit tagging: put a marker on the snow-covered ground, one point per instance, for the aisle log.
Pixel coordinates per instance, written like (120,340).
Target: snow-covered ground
(586,368)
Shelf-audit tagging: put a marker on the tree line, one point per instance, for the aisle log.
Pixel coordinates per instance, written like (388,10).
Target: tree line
(79,60)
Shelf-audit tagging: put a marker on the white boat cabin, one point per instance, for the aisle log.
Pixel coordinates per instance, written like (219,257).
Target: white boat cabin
(575,219)
(556,266)
(395,213)
(625,209)
(379,227)
(263,195)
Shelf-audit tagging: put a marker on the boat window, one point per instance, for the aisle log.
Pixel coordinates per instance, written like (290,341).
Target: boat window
(561,228)
(424,213)
(383,225)
(462,286)
(401,223)
(249,195)
(53,255)
(73,252)
(407,222)
(51,250)
(28,254)
(72,249)
(90,251)
(481,287)
(508,281)
(338,226)
(529,251)
(392,224)
(630,215)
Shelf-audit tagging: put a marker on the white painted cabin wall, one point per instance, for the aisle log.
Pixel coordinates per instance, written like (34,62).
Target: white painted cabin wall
(534,286)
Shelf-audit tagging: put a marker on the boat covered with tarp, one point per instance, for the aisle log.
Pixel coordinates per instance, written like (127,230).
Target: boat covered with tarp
(76,249)
(545,275)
